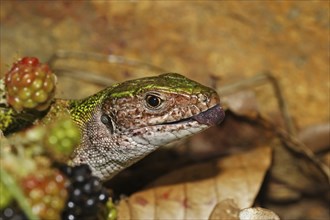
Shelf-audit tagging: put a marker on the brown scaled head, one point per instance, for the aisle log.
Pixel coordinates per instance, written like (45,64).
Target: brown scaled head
(165,99)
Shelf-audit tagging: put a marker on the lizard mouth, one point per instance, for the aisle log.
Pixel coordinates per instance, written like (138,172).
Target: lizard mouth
(210,117)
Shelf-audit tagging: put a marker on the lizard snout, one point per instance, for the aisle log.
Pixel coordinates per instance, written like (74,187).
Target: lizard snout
(212,116)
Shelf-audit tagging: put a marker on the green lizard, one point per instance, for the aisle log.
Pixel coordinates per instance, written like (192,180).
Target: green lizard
(124,122)
(129,120)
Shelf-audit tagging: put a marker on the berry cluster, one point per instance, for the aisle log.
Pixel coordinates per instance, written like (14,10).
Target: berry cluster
(30,85)
(87,197)
(46,192)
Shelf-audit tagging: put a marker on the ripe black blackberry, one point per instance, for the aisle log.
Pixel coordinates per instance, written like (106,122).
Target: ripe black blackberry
(86,195)
(12,212)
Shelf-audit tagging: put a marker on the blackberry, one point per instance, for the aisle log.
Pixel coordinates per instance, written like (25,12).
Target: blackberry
(46,192)
(87,197)
(12,212)
(29,85)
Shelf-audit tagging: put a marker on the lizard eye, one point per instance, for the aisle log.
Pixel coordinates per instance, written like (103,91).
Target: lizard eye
(153,101)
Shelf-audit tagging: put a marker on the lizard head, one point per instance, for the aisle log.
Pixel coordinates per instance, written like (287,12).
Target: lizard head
(131,119)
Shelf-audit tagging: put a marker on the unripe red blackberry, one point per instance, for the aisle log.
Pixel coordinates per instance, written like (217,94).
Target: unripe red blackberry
(46,193)
(30,85)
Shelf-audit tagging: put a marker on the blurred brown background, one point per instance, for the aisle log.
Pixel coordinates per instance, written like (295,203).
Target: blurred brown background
(229,39)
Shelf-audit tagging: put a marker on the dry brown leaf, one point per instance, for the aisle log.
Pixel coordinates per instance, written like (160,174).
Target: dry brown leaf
(243,103)
(316,137)
(226,209)
(192,192)
(295,172)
